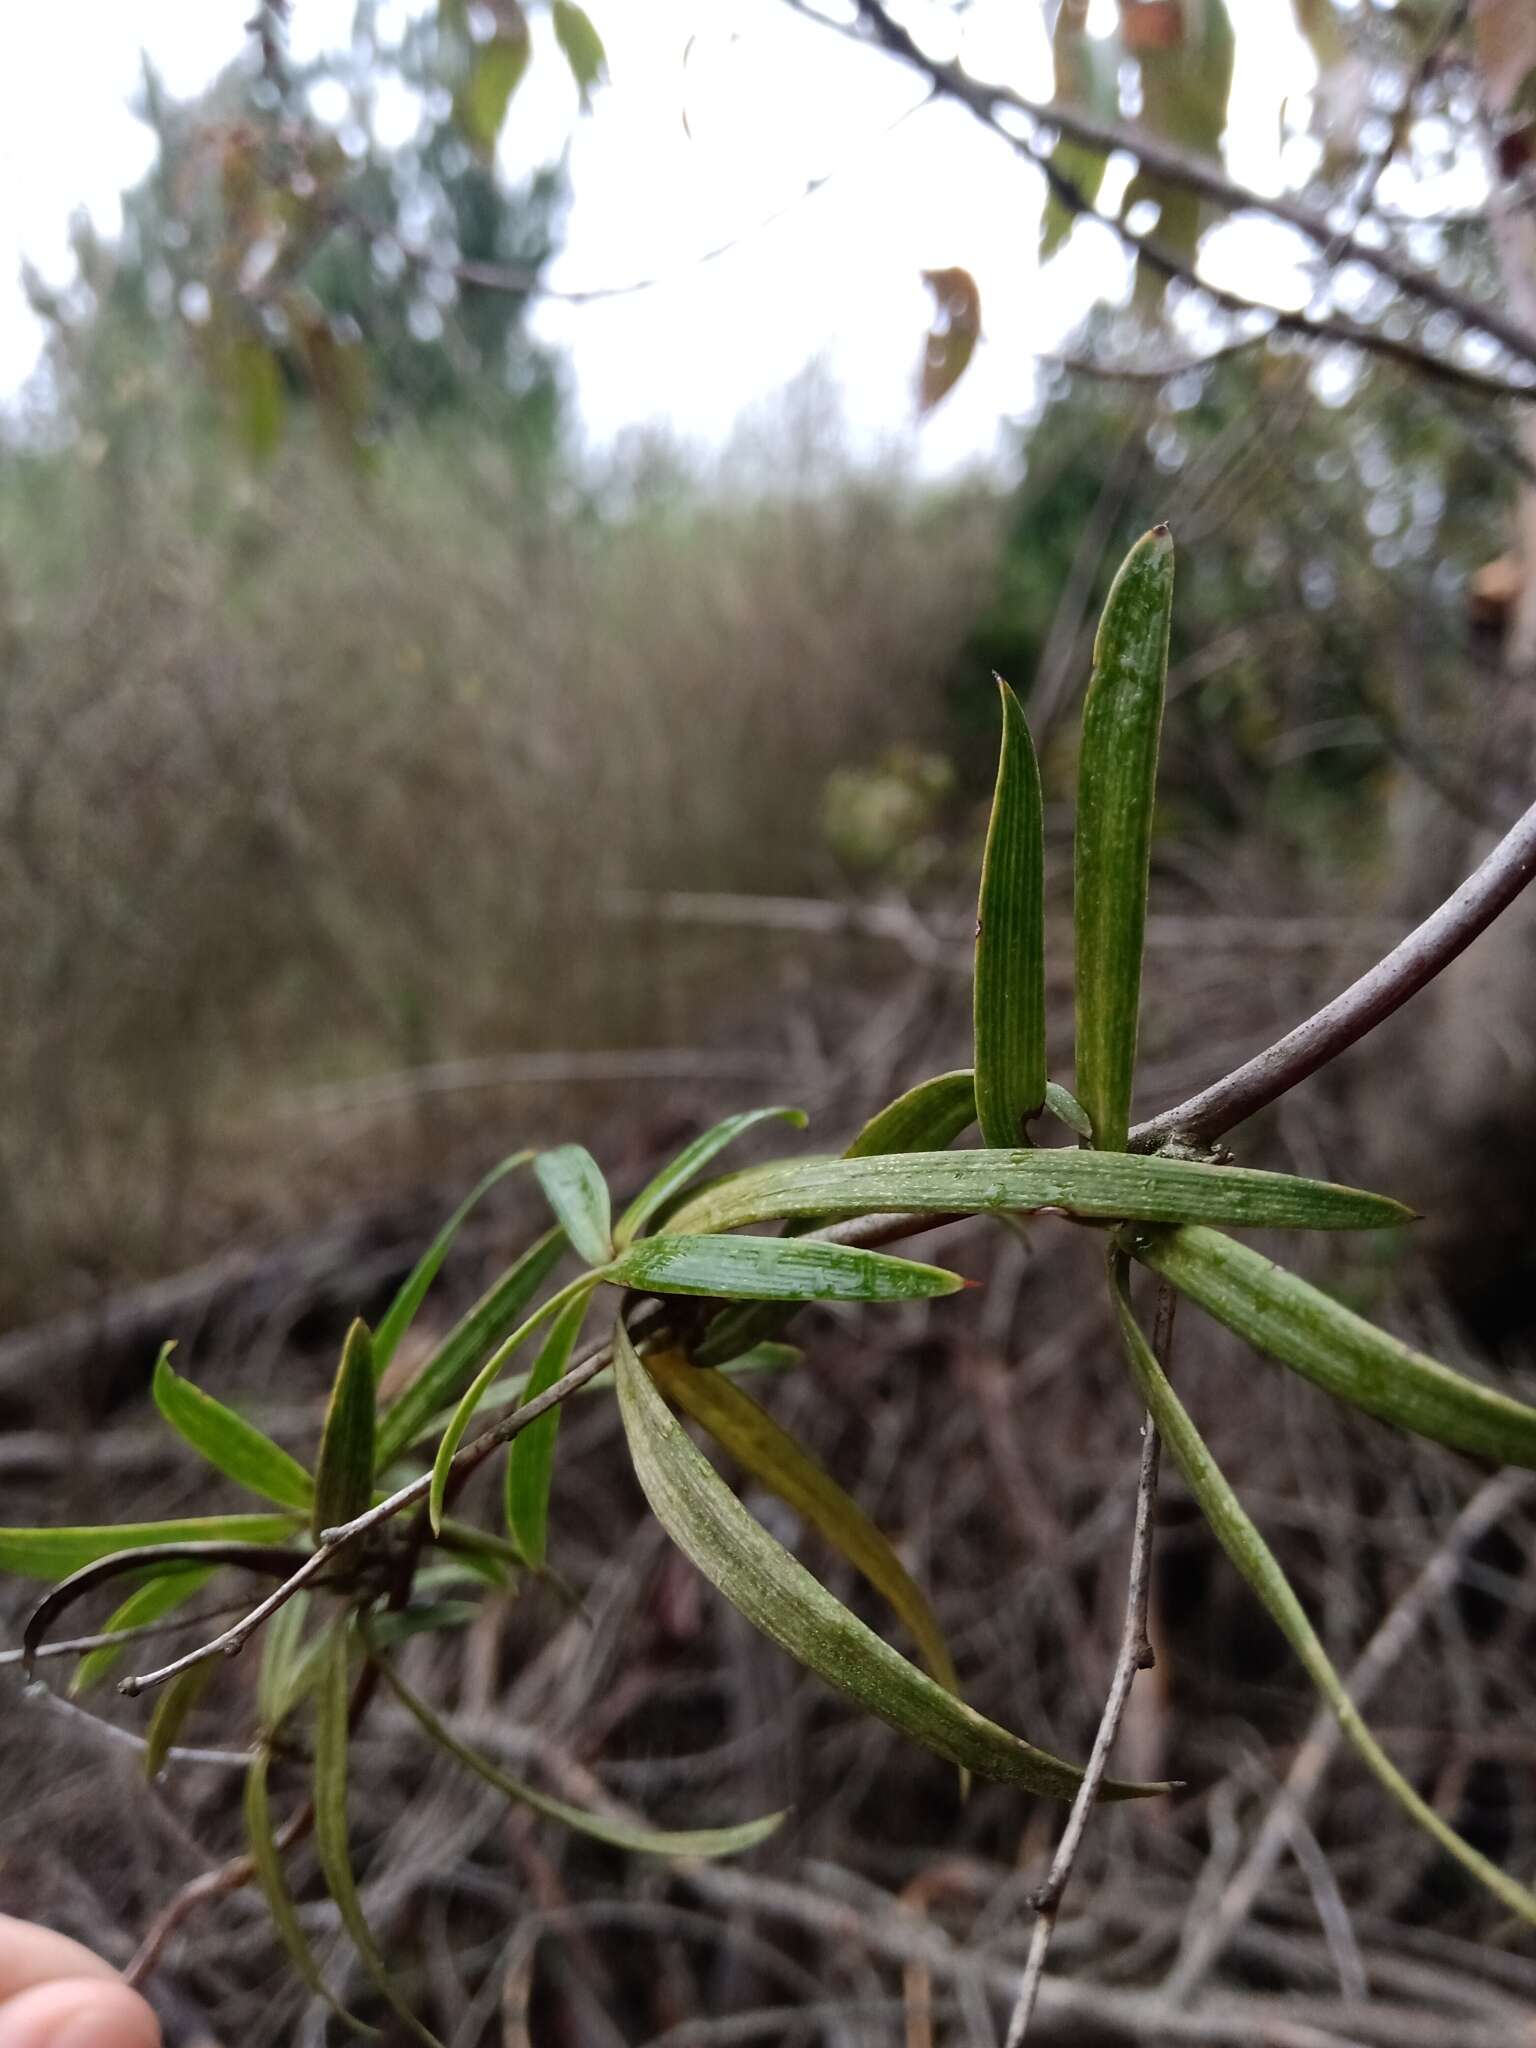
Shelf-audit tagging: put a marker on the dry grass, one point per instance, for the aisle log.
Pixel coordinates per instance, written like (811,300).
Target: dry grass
(314,781)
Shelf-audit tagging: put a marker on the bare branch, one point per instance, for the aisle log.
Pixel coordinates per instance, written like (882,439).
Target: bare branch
(1194,173)
(1410,966)
(1488,1507)
(1136,1654)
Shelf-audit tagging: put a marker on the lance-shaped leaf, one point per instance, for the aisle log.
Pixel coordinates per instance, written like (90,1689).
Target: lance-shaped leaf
(490,71)
(332,1713)
(433,1617)
(1116,781)
(230,1444)
(774,1269)
(531,1456)
(402,1310)
(462,1352)
(701,1842)
(581,46)
(927,1118)
(578,1194)
(689,1162)
(781,1598)
(1061,1102)
(1092,1184)
(1254,1559)
(52,1553)
(145,1605)
(172,1711)
(281,1647)
(267,1861)
(480,1386)
(771,1455)
(1336,1349)
(507,1393)
(344,1468)
(1009,994)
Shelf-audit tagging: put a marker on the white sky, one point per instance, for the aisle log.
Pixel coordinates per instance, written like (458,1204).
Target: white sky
(771,101)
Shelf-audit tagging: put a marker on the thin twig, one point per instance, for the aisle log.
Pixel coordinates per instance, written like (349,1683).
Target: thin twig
(38,1696)
(1210,1935)
(1193,173)
(1410,966)
(865,1231)
(1136,1654)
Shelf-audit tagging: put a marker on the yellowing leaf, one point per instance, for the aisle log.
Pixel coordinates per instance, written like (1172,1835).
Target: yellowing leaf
(1504,40)
(581,46)
(781,1598)
(770,1454)
(953,337)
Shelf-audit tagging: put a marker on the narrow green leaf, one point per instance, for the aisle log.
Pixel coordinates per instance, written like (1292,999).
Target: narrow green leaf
(172,1710)
(1009,996)
(766,1357)
(496,70)
(771,1455)
(531,1456)
(254,380)
(268,1864)
(1062,1103)
(233,1446)
(578,1194)
(577,1290)
(774,1269)
(147,1603)
(344,1468)
(1336,1349)
(1251,1554)
(1093,1184)
(54,1553)
(280,1648)
(700,1842)
(1116,783)
(690,1161)
(779,1596)
(428,1619)
(925,1119)
(457,1359)
(582,47)
(330,1782)
(402,1310)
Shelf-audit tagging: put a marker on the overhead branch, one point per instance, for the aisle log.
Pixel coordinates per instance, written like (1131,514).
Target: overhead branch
(1193,173)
